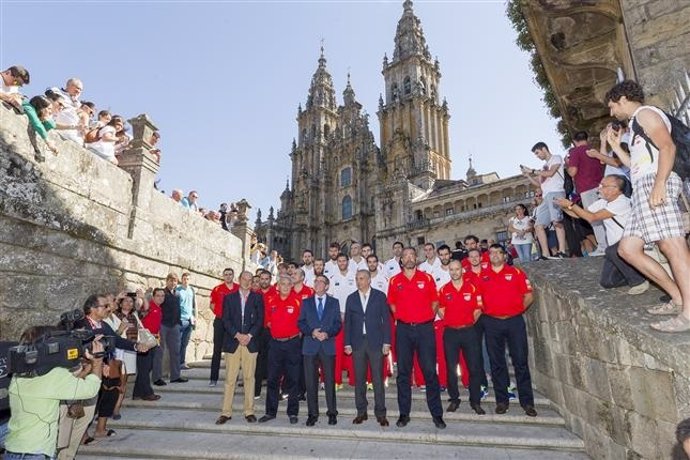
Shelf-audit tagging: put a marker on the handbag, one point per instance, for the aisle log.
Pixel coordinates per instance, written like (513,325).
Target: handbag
(144,336)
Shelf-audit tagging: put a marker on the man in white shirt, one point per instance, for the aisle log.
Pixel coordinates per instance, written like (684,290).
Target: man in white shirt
(367,250)
(341,286)
(392,266)
(10,81)
(67,119)
(357,261)
(441,272)
(613,210)
(331,266)
(551,181)
(378,277)
(432,262)
(308,267)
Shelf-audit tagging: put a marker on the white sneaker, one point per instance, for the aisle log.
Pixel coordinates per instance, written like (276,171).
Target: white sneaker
(639,289)
(597,253)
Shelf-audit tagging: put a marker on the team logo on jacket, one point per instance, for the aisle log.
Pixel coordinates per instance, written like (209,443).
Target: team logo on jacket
(484,265)
(290,310)
(467,297)
(449,297)
(420,284)
(509,277)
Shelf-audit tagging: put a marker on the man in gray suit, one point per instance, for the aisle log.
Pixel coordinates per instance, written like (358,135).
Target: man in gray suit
(368,338)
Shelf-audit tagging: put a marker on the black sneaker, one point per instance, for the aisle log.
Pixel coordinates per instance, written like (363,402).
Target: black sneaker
(160,383)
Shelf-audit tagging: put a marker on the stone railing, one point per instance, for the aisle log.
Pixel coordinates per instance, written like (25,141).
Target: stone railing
(620,385)
(77,224)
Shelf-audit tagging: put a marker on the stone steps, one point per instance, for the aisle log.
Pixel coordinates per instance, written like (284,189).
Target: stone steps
(181,426)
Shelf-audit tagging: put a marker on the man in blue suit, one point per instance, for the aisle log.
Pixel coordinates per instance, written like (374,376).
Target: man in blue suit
(243,318)
(320,321)
(368,339)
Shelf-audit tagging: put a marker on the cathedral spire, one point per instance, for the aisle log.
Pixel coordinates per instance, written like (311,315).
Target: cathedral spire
(349,93)
(409,37)
(321,92)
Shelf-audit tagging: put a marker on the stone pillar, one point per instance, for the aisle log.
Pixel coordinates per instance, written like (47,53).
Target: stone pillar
(242,230)
(138,161)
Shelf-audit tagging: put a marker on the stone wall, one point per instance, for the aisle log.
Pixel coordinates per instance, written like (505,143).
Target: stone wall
(658,33)
(620,386)
(76,224)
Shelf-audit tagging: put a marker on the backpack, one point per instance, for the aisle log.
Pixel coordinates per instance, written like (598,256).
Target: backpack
(680,134)
(92,136)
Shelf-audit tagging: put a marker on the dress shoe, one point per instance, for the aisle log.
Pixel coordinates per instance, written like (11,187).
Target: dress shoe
(478,409)
(453,406)
(293,419)
(160,383)
(438,422)
(266,418)
(302,397)
(501,408)
(360,418)
(251,418)
(383,421)
(151,397)
(403,420)
(222,419)
(180,380)
(332,420)
(530,411)
(312,419)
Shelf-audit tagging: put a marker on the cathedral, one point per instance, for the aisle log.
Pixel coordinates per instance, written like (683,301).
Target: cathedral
(345,188)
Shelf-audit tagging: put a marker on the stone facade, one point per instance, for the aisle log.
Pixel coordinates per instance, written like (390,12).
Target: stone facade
(76,224)
(620,386)
(345,188)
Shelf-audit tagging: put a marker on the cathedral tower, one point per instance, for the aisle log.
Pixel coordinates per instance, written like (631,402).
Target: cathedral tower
(414,124)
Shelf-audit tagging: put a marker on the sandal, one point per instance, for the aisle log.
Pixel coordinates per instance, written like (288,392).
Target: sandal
(668,308)
(108,434)
(676,324)
(91,441)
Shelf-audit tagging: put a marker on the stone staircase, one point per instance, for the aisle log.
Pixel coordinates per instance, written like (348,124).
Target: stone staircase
(181,426)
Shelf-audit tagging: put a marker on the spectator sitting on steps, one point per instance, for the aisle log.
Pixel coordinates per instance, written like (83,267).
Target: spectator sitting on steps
(613,210)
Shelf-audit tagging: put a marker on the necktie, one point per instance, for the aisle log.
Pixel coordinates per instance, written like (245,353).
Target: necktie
(320,308)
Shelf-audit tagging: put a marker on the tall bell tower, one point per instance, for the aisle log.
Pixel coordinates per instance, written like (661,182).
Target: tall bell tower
(414,123)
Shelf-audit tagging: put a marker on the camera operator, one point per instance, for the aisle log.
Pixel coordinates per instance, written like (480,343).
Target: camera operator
(96,310)
(35,401)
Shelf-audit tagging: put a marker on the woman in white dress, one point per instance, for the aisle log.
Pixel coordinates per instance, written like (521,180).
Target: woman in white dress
(521,228)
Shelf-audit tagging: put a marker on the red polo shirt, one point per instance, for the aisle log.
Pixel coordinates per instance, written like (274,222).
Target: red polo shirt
(283,315)
(270,292)
(474,278)
(305,292)
(484,263)
(459,304)
(152,320)
(218,296)
(503,291)
(413,297)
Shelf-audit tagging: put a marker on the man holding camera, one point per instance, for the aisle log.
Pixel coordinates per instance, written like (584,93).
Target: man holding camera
(35,401)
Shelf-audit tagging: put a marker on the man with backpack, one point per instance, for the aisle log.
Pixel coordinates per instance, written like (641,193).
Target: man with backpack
(658,161)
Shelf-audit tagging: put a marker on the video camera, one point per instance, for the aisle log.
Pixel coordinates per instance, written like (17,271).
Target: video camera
(62,348)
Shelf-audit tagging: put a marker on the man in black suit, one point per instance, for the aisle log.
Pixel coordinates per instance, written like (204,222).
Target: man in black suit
(243,318)
(368,339)
(320,322)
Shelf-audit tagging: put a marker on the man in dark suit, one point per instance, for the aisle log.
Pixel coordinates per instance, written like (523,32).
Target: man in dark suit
(368,339)
(243,318)
(319,321)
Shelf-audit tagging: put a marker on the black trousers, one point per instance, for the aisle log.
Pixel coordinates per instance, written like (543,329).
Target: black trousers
(142,384)
(311,380)
(218,337)
(419,338)
(283,360)
(363,356)
(261,371)
(483,362)
(616,272)
(467,340)
(513,332)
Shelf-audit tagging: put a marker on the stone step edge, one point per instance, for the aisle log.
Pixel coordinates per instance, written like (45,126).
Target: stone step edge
(237,407)
(392,434)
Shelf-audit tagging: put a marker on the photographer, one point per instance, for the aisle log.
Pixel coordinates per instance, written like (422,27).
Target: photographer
(35,401)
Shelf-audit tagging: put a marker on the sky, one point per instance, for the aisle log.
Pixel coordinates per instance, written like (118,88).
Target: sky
(222,80)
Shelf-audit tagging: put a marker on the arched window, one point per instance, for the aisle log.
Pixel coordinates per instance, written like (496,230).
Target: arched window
(346,177)
(347,207)
(394,92)
(407,85)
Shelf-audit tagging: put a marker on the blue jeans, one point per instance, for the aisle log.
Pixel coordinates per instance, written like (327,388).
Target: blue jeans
(524,252)
(14,456)
(185,335)
(4,429)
